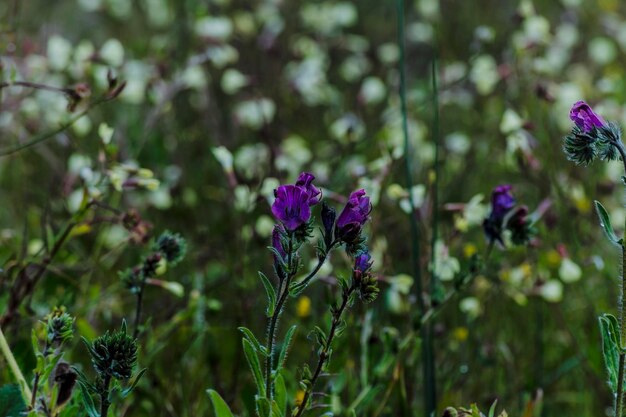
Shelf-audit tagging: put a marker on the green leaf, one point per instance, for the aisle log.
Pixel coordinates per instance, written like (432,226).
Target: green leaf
(133,383)
(11,401)
(492,410)
(252,339)
(284,351)
(276,411)
(87,400)
(271,294)
(219,405)
(610,347)
(263,407)
(605,222)
(280,393)
(255,366)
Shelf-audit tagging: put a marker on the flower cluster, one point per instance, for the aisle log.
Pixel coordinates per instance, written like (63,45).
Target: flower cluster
(114,354)
(59,327)
(505,216)
(292,208)
(361,274)
(591,137)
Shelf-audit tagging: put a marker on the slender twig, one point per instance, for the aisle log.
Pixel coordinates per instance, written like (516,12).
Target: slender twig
(6,351)
(324,354)
(66,91)
(138,311)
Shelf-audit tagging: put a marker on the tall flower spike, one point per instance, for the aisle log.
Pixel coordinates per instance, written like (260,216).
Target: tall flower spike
(114,354)
(59,327)
(367,284)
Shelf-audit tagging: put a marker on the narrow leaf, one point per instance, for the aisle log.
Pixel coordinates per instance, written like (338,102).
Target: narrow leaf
(252,339)
(610,347)
(605,222)
(284,351)
(280,393)
(87,401)
(219,405)
(271,294)
(133,383)
(255,366)
(263,407)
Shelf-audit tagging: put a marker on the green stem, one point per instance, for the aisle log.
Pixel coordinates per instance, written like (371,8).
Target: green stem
(271,333)
(619,396)
(104,397)
(325,352)
(6,351)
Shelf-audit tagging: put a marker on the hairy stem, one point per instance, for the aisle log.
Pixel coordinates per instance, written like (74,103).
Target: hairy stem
(325,352)
(280,303)
(104,397)
(619,395)
(278,308)
(6,351)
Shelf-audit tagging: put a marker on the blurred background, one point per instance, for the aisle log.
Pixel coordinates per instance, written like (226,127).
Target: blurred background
(226,99)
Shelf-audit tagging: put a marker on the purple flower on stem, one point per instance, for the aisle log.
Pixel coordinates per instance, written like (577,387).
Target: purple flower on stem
(305,180)
(501,201)
(584,117)
(353,217)
(291,206)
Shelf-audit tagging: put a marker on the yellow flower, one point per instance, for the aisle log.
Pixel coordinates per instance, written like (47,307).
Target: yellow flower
(469,250)
(554,258)
(303,307)
(299,397)
(460,334)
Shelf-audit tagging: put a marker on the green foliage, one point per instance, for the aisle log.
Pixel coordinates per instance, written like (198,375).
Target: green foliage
(611,347)
(219,405)
(11,401)
(605,222)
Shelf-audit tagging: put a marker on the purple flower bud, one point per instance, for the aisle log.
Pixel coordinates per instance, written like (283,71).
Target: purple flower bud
(363,262)
(353,217)
(584,117)
(501,201)
(305,180)
(277,240)
(291,206)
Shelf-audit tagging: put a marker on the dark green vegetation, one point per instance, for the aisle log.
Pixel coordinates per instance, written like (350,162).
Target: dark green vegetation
(226,99)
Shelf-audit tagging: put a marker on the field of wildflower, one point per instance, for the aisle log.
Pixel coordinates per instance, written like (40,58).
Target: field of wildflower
(279,208)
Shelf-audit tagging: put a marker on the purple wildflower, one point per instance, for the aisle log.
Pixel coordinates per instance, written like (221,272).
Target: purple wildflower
(291,206)
(501,201)
(305,180)
(353,217)
(584,117)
